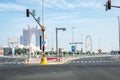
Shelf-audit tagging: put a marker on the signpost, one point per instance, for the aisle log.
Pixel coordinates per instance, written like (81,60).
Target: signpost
(13,41)
(73,49)
(43,42)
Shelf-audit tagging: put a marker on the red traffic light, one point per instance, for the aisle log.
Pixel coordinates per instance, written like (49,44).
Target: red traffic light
(109,4)
(109,1)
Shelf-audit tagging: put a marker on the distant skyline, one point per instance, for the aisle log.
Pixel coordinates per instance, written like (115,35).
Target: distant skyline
(87,16)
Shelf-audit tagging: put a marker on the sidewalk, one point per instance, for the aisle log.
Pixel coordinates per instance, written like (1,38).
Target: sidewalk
(64,60)
(117,57)
(50,62)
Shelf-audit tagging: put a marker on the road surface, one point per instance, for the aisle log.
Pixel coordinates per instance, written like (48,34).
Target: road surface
(11,60)
(102,68)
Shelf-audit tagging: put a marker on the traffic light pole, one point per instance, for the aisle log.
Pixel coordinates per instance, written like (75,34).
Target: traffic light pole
(43,59)
(43,28)
(43,44)
(36,19)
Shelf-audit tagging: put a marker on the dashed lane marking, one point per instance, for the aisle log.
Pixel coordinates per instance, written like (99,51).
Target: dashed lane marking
(104,61)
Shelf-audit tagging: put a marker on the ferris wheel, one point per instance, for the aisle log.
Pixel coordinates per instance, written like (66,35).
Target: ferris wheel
(88,43)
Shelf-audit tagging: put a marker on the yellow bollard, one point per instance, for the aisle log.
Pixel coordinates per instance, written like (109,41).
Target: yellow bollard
(43,59)
(26,60)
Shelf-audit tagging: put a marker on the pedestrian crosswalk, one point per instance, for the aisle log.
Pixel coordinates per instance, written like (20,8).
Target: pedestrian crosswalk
(96,60)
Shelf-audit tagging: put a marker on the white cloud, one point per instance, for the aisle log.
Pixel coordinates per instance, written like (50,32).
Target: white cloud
(64,4)
(61,17)
(116,2)
(90,4)
(10,6)
(67,4)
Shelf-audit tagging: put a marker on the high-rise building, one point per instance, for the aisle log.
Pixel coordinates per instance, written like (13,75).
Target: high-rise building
(26,38)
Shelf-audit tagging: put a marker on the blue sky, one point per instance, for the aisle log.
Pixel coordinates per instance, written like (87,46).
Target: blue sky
(87,16)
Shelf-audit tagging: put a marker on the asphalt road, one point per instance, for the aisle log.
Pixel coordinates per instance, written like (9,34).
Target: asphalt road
(11,60)
(103,68)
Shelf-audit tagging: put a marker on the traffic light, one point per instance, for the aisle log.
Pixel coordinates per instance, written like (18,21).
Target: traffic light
(106,6)
(33,12)
(27,13)
(109,4)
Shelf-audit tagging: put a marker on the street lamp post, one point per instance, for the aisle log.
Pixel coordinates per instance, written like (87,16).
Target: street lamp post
(52,42)
(81,44)
(73,34)
(63,29)
(119,31)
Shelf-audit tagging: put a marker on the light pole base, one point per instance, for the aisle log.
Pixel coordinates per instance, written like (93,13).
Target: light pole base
(58,60)
(26,61)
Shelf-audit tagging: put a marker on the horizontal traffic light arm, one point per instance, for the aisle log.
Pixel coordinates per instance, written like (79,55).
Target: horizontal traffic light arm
(113,6)
(28,12)
(36,20)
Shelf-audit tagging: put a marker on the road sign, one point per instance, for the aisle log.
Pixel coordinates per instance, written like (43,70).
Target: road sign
(73,48)
(43,42)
